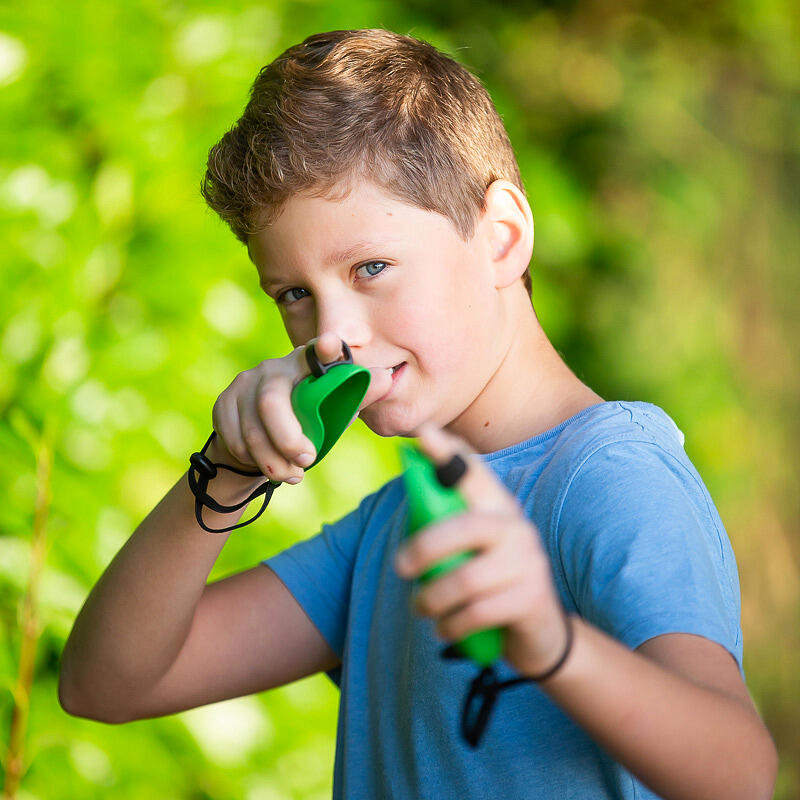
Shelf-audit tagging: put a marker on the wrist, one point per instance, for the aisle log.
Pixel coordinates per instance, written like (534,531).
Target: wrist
(219,454)
(226,487)
(559,655)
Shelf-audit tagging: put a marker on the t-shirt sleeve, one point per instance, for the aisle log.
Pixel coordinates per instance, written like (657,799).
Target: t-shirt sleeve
(643,551)
(318,572)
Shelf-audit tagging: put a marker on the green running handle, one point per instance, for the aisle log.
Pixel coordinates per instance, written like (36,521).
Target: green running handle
(429,501)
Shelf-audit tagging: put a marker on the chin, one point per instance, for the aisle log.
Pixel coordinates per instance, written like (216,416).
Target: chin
(386,424)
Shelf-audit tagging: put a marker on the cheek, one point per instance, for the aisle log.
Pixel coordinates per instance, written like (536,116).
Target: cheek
(435,330)
(298,328)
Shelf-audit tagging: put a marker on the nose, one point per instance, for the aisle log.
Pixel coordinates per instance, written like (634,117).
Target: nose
(345,317)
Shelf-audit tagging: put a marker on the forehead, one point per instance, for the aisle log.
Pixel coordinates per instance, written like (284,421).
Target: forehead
(322,231)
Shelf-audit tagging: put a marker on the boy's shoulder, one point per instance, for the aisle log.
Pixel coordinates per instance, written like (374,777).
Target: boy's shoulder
(626,424)
(568,445)
(541,469)
(612,454)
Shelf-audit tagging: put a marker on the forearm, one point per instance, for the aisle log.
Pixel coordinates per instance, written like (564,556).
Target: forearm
(138,615)
(681,739)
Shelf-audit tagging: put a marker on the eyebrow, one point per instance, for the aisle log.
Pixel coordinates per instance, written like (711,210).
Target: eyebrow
(349,252)
(339,256)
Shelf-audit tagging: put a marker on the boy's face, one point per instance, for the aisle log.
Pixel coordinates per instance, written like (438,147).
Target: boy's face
(398,285)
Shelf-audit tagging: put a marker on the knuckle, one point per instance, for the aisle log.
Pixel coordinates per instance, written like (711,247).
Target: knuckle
(269,399)
(268,369)
(476,617)
(467,579)
(241,454)
(252,434)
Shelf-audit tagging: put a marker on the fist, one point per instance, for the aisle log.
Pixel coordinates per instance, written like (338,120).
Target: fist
(508,581)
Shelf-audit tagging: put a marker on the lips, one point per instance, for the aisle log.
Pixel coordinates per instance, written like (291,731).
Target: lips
(397,372)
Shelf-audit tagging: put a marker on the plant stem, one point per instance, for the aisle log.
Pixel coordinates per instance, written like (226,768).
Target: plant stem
(14,766)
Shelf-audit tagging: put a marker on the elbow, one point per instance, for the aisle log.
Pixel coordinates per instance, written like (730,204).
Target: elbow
(70,701)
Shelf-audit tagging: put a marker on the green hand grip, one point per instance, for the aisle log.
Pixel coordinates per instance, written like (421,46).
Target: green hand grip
(326,401)
(428,502)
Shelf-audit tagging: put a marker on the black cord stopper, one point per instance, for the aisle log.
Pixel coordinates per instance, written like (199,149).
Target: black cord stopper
(450,474)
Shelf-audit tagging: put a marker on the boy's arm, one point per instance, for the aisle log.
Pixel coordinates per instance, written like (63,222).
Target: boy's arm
(675,712)
(152,638)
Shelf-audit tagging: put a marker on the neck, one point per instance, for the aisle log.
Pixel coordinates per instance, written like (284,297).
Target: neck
(531,391)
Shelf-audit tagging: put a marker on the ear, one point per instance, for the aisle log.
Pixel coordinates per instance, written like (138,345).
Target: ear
(508,224)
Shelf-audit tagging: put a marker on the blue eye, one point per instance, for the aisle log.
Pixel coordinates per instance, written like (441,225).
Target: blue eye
(294,294)
(285,298)
(372,264)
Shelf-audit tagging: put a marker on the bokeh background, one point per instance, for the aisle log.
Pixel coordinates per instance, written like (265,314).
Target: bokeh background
(659,148)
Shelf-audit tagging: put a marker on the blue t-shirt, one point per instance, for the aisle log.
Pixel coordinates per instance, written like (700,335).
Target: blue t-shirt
(637,549)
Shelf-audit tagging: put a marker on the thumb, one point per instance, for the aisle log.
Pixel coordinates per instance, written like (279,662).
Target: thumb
(479,486)
(327,346)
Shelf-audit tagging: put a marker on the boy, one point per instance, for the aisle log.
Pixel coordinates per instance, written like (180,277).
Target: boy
(374,185)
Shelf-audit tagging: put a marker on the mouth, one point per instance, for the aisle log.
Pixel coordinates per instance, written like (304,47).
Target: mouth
(397,373)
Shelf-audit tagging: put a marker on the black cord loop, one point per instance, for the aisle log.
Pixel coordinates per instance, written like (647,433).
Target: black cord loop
(206,471)
(318,369)
(483,689)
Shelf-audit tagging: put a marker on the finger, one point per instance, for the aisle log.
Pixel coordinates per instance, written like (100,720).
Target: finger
(481,575)
(479,486)
(463,533)
(379,384)
(328,347)
(276,429)
(495,610)
(225,419)
(261,451)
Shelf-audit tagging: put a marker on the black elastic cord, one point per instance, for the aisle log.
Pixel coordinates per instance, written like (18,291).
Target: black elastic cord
(483,690)
(206,471)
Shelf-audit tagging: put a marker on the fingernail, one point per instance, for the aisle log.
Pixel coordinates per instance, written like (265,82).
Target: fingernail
(293,481)
(304,460)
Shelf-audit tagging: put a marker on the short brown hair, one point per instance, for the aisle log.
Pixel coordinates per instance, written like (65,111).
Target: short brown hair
(368,104)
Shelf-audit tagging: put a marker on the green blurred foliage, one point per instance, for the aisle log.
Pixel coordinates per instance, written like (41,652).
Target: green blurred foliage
(659,148)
